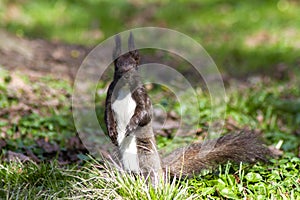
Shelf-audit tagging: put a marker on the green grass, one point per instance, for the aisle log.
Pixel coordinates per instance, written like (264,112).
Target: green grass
(278,180)
(262,106)
(41,109)
(243,37)
(30,181)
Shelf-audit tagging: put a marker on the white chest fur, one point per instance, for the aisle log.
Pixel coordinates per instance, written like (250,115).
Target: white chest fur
(123,109)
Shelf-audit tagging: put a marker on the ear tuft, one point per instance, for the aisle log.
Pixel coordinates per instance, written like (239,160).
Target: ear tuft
(117,49)
(131,42)
(134,52)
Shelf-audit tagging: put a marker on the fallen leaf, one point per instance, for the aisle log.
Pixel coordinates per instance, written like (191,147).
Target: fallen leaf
(47,146)
(2,144)
(31,155)
(13,156)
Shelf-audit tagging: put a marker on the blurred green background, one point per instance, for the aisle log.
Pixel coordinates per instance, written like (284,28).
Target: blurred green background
(243,37)
(255,44)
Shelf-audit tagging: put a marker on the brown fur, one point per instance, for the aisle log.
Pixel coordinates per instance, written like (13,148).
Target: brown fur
(240,147)
(149,159)
(187,161)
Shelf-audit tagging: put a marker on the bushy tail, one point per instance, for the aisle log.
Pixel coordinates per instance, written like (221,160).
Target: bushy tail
(242,147)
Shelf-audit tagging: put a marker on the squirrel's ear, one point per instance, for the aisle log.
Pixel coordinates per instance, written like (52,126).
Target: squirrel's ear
(117,49)
(134,52)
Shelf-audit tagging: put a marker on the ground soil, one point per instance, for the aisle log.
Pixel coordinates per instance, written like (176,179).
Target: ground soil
(40,57)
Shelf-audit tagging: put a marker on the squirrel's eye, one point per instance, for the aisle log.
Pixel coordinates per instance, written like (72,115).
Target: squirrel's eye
(119,65)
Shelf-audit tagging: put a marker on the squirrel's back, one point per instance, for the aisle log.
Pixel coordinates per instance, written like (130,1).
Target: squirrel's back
(240,147)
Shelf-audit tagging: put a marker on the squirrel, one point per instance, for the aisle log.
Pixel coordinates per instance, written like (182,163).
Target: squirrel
(128,119)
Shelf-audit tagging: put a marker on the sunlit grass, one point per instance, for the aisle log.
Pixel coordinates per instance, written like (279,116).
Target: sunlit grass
(97,180)
(242,37)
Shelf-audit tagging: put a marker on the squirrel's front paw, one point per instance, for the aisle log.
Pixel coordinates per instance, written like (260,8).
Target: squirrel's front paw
(129,130)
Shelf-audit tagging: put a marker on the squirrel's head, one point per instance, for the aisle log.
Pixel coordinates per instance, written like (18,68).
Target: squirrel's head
(128,61)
